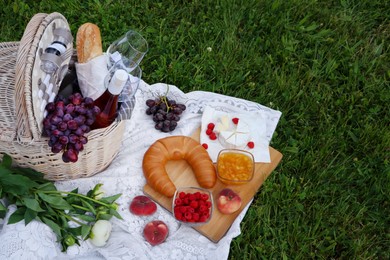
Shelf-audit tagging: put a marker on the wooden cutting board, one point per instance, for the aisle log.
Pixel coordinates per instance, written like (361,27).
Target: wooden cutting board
(182,176)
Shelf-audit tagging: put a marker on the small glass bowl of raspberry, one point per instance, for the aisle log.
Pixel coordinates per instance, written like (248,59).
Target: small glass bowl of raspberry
(192,206)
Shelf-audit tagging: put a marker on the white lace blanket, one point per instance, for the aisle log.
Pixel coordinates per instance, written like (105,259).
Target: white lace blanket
(124,175)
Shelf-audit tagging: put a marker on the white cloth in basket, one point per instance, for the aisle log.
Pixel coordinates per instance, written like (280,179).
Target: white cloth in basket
(91,76)
(124,175)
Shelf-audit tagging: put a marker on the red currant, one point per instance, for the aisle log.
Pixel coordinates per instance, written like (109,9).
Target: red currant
(210,126)
(251,145)
(209,131)
(205,146)
(235,120)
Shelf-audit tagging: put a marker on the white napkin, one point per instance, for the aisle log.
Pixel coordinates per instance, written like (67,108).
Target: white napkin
(258,133)
(91,76)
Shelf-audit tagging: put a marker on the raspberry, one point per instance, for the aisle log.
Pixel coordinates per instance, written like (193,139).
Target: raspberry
(210,126)
(182,195)
(195,216)
(188,215)
(183,209)
(191,197)
(213,136)
(205,146)
(191,210)
(251,145)
(204,196)
(197,195)
(203,208)
(209,131)
(186,201)
(205,214)
(179,216)
(235,120)
(203,219)
(208,204)
(194,204)
(178,201)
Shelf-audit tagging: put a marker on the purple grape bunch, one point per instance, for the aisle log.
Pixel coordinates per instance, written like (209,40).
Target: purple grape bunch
(67,122)
(165,112)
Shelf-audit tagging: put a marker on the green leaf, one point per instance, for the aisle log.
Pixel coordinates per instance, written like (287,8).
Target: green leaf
(88,205)
(32,204)
(115,213)
(15,184)
(31,174)
(85,230)
(56,228)
(7,161)
(55,201)
(29,216)
(76,231)
(50,211)
(17,216)
(3,210)
(86,218)
(49,186)
(64,221)
(110,199)
(104,216)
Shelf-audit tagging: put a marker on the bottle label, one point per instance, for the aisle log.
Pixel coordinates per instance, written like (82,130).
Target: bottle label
(58,46)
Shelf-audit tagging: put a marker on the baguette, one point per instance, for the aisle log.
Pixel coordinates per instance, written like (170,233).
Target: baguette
(176,148)
(88,42)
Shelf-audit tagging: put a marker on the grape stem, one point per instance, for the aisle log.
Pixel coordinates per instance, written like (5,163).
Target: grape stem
(164,98)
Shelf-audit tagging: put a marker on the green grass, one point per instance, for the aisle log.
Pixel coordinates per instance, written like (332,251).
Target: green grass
(324,64)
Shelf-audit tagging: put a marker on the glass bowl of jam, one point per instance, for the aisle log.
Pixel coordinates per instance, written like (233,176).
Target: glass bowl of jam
(235,166)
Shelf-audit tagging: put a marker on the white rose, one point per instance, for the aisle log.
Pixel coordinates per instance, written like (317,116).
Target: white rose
(100,232)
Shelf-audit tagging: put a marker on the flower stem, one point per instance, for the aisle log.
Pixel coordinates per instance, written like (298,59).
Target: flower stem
(77,195)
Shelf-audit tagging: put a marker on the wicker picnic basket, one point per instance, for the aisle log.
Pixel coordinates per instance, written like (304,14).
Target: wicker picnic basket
(22,100)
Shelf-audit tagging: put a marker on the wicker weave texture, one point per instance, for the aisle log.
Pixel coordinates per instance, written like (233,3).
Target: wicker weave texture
(8,52)
(25,56)
(102,147)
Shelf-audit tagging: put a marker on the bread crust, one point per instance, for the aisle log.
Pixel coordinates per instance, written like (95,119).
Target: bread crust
(176,148)
(88,42)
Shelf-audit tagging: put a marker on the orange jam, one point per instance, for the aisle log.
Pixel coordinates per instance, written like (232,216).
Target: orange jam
(235,167)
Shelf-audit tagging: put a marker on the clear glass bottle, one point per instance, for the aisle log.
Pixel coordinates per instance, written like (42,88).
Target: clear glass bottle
(108,101)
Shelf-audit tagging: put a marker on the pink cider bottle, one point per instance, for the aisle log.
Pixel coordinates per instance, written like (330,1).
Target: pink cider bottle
(108,101)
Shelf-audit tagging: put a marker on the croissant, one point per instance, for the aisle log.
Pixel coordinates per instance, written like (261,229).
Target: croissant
(176,148)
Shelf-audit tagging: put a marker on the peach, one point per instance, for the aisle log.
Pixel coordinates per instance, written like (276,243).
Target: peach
(142,206)
(155,232)
(228,201)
